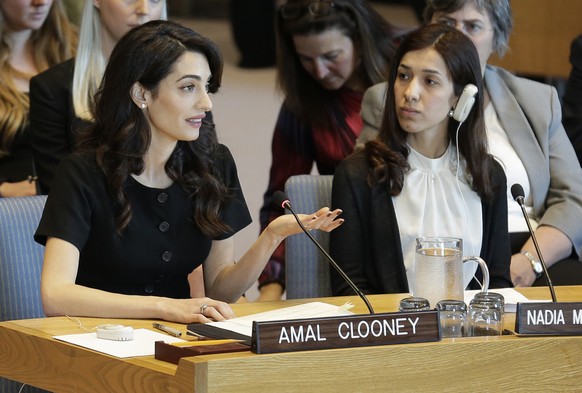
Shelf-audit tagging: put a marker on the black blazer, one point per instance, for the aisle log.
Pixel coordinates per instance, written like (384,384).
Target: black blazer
(53,124)
(367,246)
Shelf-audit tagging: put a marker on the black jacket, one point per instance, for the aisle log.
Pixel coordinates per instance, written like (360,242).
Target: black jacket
(367,246)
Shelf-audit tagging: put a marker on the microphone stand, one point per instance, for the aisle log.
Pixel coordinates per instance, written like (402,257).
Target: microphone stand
(287,205)
(535,242)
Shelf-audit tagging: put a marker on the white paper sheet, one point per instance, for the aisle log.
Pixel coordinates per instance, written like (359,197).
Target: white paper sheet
(143,343)
(244,325)
(511,296)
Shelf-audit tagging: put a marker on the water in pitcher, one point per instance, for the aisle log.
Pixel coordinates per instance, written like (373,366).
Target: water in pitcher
(438,274)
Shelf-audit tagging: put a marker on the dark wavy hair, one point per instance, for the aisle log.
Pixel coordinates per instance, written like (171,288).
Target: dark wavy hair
(388,154)
(121,135)
(371,34)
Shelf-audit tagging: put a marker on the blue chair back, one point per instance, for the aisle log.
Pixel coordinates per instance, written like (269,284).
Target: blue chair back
(307,269)
(20,266)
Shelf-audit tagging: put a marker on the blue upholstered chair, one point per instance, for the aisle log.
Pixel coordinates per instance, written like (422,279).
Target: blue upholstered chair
(307,269)
(20,266)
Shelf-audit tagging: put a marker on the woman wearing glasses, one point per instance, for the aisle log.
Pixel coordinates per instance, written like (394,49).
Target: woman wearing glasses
(329,53)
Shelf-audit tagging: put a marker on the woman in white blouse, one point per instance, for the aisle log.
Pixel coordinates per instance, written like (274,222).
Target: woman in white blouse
(427,174)
(525,133)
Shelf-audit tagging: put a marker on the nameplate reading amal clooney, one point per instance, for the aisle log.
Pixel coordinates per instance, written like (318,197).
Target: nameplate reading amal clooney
(560,318)
(345,331)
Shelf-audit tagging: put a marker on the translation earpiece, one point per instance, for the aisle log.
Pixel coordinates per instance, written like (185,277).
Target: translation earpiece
(115,332)
(465,103)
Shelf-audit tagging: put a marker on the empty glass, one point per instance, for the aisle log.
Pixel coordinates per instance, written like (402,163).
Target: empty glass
(453,318)
(493,295)
(414,303)
(485,316)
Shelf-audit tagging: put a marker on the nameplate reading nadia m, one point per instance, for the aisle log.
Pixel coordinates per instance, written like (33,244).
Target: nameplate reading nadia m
(345,331)
(560,318)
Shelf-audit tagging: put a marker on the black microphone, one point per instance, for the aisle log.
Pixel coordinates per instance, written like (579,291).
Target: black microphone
(281,199)
(519,195)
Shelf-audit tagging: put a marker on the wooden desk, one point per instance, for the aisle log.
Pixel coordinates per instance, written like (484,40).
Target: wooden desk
(28,353)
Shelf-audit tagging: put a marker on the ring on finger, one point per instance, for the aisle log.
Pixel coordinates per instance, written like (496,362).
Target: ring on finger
(203,309)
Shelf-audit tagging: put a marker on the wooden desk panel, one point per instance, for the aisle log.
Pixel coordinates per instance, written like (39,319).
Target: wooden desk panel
(28,353)
(542,34)
(506,364)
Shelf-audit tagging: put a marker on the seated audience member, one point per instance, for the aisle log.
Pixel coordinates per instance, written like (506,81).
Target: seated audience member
(61,96)
(425,175)
(33,36)
(151,194)
(525,133)
(572,98)
(329,53)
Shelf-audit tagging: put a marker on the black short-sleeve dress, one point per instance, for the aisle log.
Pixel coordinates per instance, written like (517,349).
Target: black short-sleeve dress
(161,245)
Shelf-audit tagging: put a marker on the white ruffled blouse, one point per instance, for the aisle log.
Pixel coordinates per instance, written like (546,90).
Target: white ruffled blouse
(434,203)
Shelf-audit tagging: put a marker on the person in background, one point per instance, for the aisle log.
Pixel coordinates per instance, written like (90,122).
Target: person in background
(329,53)
(150,194)
(425,175)
(34,35)
(60,97)
(372,112)
(572,99)
(525,132)
(524,125)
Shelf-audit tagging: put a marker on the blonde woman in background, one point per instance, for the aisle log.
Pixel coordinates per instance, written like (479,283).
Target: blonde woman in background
(60,98)
(34,35)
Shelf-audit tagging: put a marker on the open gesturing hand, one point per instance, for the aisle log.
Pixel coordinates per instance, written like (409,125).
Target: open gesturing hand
(324,220)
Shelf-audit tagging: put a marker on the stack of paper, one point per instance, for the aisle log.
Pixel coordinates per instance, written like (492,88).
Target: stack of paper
(242,327)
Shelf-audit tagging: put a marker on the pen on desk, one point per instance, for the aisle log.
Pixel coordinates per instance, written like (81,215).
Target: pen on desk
(167,329)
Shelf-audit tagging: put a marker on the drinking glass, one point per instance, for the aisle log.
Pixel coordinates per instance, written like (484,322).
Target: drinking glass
(453,318)
(414,303)
(485,316)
